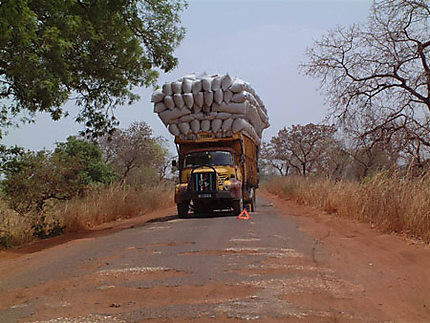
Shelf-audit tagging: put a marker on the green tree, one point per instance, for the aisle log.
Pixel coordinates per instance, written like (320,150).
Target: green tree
(92,168)
(92,51)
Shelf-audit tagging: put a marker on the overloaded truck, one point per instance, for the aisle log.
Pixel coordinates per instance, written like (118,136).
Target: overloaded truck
(217,122)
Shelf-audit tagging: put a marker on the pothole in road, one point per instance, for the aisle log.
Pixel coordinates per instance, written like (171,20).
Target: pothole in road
(259,251)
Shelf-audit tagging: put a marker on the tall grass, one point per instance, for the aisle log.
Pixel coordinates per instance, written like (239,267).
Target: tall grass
(390,202)
(99,205)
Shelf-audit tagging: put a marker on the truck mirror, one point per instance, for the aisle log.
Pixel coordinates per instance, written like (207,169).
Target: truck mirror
(174,163)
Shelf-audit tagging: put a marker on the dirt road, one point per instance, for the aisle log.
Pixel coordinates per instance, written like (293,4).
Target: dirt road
(286,264)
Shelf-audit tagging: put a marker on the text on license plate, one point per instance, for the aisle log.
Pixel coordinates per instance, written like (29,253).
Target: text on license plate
(205,195)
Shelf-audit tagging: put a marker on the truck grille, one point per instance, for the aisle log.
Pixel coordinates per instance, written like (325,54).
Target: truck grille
(222,177)
(204,182)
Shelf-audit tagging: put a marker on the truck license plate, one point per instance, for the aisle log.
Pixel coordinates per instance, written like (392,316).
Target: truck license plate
(205,196)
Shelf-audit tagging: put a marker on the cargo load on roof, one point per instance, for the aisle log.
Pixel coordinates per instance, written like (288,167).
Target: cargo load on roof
(218,104)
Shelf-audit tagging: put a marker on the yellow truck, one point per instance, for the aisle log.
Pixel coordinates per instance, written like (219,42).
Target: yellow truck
(216,174)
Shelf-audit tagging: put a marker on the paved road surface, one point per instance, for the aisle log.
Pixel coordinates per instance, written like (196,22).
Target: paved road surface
(199,269)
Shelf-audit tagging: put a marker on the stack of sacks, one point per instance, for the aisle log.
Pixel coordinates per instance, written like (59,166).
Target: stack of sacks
(218,104)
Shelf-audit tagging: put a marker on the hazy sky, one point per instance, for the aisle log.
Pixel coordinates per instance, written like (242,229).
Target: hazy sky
(261,42)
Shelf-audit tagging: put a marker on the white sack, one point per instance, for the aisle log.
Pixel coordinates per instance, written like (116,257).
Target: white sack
(199,99)
(210,116)
(187,86)
(253,117)
(206,108)
(167,89)
(216,125)
(238,108)
(239,97)
(179,100)
(168,101)
(205,125)
(199,116)
(184,127)
(157,96)
(226,124)
(159,107)
(218,96)
(216,84)
(196,108)
(177,87)
(188,100)
(197,86)
(237,86)
(209,98)
(227,96)
(187,118)
(169,115)
(174,130)
(223,115)
(207,84)
(226,82)
(195,126)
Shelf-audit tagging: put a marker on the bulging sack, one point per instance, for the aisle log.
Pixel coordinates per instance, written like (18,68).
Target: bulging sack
(216,84)
(167,89)
(226,124)
(197,86)
(169,115)
(227,96)
(205,125)
(174,130)
(209,98)
(177,87)
(218,96)
(187,86)
(157,96)
(207,84)
(159,107)
(179,100)
(216,125)
(199,99)
(239,97)
(188,100)
(184,127)
(168,101)
(226,82)
(195,126)
(237,86)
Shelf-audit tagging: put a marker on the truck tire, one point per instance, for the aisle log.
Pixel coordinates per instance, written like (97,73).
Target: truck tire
(237,206)
(183,209)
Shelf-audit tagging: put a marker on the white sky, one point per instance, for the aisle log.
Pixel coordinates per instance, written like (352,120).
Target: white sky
(262,42)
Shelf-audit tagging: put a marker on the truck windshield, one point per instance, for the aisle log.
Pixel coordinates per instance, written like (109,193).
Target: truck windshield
(208,158)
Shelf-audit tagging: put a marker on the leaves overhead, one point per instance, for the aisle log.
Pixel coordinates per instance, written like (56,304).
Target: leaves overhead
(92,51)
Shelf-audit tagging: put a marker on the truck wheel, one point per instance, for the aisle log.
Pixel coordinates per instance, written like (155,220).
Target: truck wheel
(237,206)
(183,209)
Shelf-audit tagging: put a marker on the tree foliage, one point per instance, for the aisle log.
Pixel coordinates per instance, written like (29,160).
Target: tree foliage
(31,179)
(134,153)
(379,71)
(93,51)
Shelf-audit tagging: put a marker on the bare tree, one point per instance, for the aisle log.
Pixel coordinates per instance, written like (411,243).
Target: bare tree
(130,149)
(381,68)
(306,146)
(272,158)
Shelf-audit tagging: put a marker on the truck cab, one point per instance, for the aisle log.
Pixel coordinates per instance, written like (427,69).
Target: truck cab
(216,174)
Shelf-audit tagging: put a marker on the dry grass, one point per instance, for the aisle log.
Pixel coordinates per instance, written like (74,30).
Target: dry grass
(109,204)
(392,203)
(98,206)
